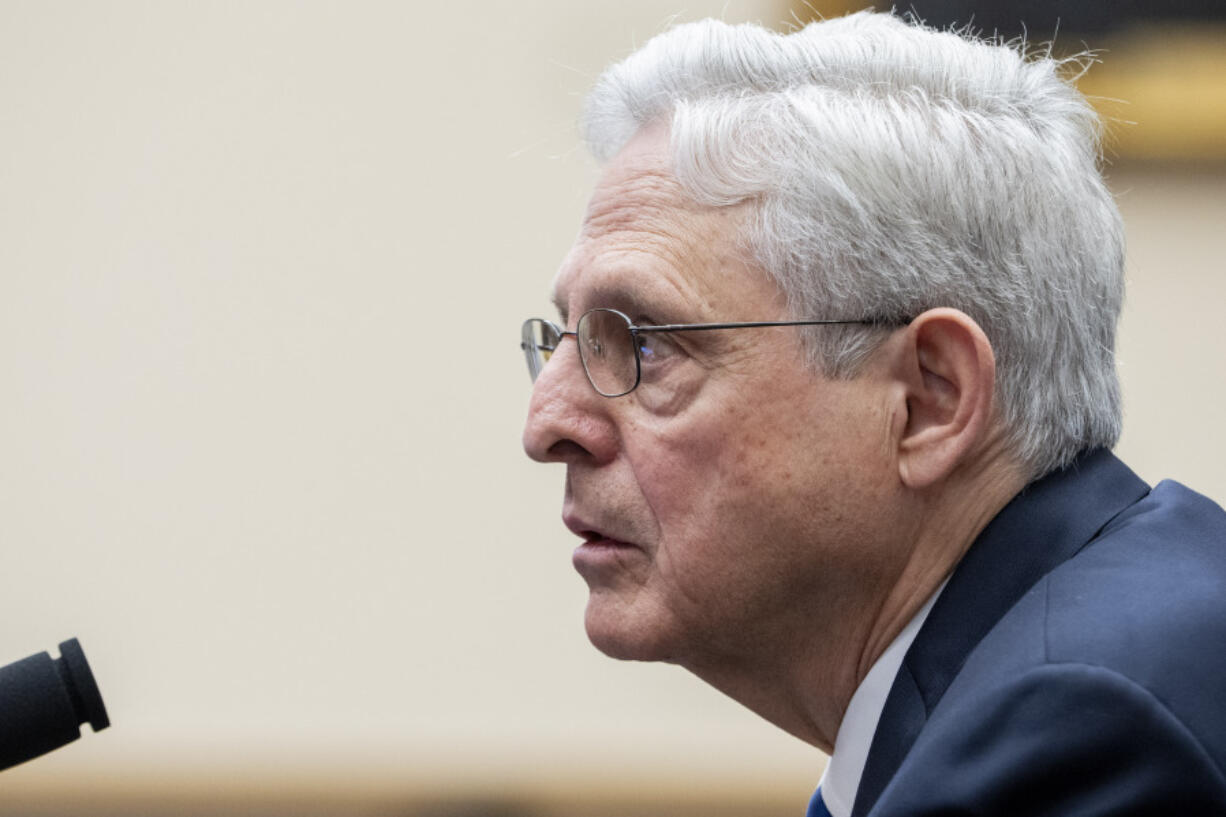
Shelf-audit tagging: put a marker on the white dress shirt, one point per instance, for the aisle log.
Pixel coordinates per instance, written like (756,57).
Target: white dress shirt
(842,776)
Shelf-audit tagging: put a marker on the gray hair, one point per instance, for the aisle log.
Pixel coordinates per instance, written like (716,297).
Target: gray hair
(892,169)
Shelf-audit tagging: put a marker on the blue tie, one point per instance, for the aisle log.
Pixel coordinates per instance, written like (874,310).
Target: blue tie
(817,806)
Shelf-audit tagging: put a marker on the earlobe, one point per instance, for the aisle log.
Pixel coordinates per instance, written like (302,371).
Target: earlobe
(949,372)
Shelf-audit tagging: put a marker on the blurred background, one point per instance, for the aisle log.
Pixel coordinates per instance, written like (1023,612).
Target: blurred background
(262,269)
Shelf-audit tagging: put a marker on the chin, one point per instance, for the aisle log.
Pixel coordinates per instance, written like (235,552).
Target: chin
(625,636)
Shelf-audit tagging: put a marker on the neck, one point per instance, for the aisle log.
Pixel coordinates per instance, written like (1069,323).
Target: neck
(950,518)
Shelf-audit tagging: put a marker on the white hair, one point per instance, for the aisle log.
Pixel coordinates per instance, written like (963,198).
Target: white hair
(892,169)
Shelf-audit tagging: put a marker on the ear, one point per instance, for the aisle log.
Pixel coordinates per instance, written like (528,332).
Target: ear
(949,372)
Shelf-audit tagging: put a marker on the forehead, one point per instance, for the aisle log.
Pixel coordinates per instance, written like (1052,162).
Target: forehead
(647,246)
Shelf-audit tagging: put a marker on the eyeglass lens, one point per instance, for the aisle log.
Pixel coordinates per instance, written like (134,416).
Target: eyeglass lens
(606,347)
(540,339)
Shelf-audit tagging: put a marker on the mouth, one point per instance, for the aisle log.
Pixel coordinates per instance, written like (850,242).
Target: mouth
(601,555)
(601,560)
(593,536)
(593,539)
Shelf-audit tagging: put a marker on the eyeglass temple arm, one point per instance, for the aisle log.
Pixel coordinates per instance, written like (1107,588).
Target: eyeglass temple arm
(684,327)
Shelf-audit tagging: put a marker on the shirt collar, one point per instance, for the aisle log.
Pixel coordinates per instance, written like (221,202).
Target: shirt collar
(842,776)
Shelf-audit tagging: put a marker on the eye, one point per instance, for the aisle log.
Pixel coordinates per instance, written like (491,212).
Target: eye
(656,348)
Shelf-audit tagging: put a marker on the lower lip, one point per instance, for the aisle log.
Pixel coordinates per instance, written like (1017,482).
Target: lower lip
(602,552)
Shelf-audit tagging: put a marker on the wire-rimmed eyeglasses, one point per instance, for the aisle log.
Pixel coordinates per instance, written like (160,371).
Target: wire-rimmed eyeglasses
(610,347)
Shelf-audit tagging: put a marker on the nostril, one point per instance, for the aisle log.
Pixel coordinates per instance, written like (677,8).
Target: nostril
(566,450)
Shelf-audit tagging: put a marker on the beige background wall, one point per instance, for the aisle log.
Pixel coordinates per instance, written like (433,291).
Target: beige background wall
(262,267)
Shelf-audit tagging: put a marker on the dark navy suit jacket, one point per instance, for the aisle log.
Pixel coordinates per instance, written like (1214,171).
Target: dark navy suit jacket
(1074,665)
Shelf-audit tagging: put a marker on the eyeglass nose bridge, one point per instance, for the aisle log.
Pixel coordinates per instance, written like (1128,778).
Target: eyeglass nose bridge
(538,354)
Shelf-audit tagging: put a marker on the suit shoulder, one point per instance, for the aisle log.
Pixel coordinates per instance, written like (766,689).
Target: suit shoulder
(1145,600)
(1057,740)
(1150,584)
(1148,590)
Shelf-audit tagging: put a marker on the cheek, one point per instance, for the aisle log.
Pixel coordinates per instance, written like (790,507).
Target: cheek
(708,484)
(761,474)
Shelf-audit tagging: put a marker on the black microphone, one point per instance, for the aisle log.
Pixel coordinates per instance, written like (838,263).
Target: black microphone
(44,701)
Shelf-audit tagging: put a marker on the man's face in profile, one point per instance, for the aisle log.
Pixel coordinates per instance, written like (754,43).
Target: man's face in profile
(725,501)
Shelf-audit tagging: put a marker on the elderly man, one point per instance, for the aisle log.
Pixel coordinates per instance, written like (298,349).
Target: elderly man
(833,381)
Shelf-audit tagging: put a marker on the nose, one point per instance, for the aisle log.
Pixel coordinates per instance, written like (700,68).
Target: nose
(567,420)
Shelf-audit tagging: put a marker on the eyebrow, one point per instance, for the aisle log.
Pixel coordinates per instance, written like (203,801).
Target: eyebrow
(612,296)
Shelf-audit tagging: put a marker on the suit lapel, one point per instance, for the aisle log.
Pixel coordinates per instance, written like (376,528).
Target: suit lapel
(1044,525)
